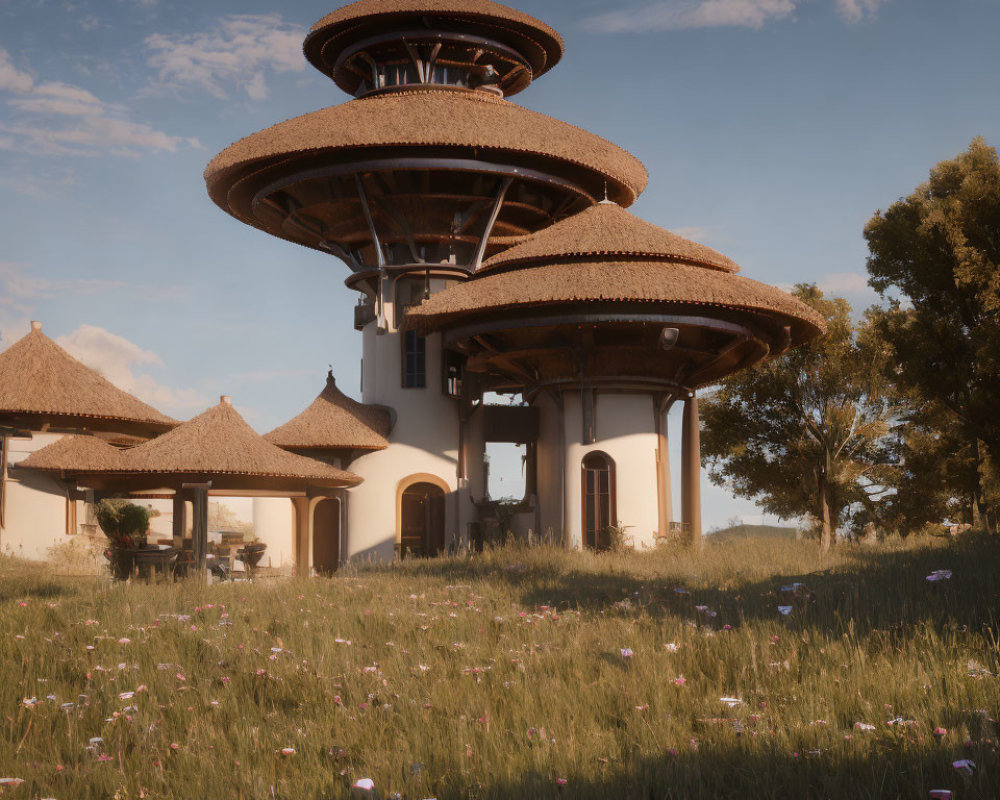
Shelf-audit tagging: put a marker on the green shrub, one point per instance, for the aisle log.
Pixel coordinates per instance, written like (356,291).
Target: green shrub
(124,523)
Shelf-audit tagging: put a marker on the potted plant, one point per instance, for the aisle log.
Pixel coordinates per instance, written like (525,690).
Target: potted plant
(125,524)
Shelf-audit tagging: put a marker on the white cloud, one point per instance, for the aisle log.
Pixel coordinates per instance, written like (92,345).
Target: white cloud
(856,10)
(239,51)
(61,119)
(846,284)
(684,14)
(117,359)
(19,285)
(667,16)
(11,78)
(695,233)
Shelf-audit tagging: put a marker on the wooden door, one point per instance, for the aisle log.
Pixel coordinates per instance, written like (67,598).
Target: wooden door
(422,523)
(326,536)
(599,513)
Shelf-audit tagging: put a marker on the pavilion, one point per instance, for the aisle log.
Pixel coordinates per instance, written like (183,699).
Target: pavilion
(216,452)
(43,389)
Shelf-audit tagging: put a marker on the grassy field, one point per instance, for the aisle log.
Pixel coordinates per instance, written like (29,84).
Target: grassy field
(515,674)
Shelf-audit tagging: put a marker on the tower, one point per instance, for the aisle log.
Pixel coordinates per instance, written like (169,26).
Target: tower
(413,184)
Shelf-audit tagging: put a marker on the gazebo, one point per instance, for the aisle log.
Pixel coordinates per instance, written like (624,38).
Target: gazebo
(216,452)
(599,311)
(44,389)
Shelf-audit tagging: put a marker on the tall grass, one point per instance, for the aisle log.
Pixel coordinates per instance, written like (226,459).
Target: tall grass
(503,676)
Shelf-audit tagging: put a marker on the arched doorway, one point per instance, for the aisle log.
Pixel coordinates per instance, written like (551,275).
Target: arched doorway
(326,536)
(599,502)
(421,520)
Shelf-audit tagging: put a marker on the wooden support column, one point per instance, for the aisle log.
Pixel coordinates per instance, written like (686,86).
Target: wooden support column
(560,402)
(691,471)
(589,414)
(199,526)
(3,480)
(664,486)
(301,535)
(180,518)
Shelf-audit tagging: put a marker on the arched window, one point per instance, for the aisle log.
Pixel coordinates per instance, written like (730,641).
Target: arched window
(599,502)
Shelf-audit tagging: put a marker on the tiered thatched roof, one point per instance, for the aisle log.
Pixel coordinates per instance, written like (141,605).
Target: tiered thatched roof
(335,422)
(608,232)
(41,384)
(420,120)
(678,285)
(539,43)
(606,255)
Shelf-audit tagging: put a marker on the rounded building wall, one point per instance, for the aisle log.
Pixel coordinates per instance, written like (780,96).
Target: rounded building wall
(625,430)
(424,439)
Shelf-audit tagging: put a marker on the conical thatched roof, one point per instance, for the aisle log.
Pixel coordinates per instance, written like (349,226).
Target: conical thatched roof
(75,454)
(219,442)
(335,422)
(41,384)
(606,231)
(536,41)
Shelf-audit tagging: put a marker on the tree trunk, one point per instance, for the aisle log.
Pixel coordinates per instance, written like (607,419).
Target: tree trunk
(980,510)
(826,536)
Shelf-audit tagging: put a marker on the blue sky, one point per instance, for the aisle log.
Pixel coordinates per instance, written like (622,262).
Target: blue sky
(772,130)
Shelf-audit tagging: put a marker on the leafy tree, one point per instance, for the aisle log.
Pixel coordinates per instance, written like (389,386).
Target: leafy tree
(808,432)
(935,257)
(937,473)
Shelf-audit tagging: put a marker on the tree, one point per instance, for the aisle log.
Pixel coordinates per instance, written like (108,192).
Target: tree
(935,257)
(937,471)
(809,432)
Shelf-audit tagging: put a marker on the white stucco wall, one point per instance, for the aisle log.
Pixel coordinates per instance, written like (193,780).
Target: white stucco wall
(625,430)
(36,505)
(424,440)
(273,525)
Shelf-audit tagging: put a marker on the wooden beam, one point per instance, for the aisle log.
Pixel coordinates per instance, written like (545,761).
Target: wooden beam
(199,526)
(664,491)
(691,471)
(589,414)
(3,481)
(180,518)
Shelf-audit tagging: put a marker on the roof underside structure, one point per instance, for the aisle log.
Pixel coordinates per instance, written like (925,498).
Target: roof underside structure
(414,177)
(42,387)
(516,45)
(429,170)
(646,310)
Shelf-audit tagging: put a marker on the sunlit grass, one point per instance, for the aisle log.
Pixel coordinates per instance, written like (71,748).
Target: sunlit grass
(503,675)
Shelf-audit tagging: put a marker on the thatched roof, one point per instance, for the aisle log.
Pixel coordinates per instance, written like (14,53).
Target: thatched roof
(335,422)
(337,30)
(220,442)
(606,231)
(75,454)
(43,384)
(475,124)
(680,286)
